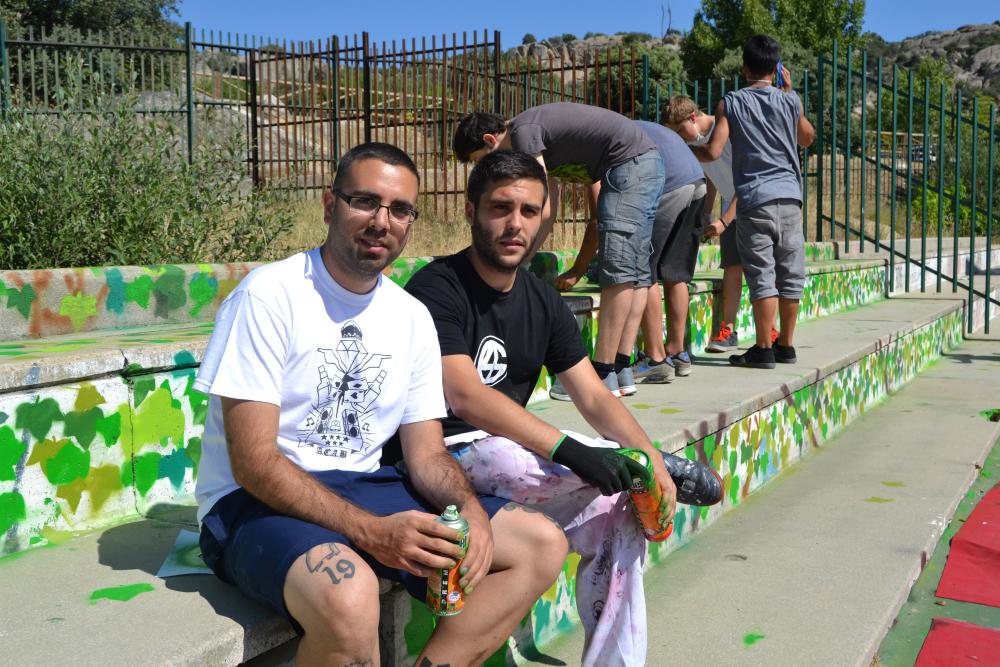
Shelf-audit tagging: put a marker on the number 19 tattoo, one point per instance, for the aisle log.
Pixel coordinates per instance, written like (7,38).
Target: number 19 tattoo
(319,561)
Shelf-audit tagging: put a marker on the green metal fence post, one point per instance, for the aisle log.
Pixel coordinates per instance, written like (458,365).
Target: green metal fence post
(864,146)
(957,198)
(991,176)
(892,186)
(189,89)
(4,72)
(878,158)
(909,174)
(923,192)
(657,104)
(821,124)
(940,177)
(833,146)
(847,149)
(645,86)
(973,209)
(708,97)
(805,158)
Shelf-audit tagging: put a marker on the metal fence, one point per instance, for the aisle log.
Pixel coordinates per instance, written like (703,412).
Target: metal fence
(899,165)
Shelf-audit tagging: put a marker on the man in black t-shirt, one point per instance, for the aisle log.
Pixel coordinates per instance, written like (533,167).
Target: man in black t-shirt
(498,325)
(623,172)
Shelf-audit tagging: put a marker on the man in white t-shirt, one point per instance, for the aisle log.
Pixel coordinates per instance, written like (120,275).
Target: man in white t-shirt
(315,362)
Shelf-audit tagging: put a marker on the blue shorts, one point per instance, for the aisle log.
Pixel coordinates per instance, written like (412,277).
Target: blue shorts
(251,546)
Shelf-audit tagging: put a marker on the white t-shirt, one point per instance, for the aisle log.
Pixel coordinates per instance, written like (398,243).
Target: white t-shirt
(720,172)
(346,369)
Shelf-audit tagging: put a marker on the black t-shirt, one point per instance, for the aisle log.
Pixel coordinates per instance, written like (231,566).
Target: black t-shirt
(508,335)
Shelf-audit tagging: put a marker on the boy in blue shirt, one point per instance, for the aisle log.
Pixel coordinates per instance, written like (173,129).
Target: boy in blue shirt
(765,126)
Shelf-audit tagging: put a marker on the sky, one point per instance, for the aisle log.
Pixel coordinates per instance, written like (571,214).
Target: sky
(398,19)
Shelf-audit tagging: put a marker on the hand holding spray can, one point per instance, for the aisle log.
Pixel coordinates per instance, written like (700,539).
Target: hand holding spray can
(445,596)
(645,497)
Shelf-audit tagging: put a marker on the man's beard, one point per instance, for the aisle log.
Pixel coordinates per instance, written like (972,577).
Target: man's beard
(352,256)
(485,247)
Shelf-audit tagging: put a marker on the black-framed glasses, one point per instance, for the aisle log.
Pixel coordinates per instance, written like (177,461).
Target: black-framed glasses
(399,213)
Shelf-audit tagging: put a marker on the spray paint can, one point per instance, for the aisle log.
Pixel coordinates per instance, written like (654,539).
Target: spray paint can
(445,596)
(645,497)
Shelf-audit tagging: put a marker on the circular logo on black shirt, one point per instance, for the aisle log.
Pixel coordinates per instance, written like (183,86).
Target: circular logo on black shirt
(491,360)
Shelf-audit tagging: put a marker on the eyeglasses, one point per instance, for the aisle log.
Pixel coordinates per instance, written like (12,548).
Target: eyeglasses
(398,213)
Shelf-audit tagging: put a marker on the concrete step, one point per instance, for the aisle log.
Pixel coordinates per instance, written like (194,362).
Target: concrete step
(812,569)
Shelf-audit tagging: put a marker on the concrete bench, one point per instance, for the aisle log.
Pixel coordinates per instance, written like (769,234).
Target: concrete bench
(100,430)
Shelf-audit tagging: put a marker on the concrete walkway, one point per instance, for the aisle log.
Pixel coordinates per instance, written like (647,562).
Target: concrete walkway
(812,569)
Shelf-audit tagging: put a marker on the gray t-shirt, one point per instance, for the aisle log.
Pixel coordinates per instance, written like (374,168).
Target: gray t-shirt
(762,128)
(579,143)
(720,172)
(679,163)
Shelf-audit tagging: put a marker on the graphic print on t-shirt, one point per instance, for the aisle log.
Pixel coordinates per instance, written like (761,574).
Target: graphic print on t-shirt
(350,380)
(491,360)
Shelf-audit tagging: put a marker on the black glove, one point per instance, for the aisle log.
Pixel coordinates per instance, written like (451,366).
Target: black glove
(600,467)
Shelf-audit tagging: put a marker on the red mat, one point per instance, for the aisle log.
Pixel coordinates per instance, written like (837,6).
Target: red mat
(972,573)
(954,643)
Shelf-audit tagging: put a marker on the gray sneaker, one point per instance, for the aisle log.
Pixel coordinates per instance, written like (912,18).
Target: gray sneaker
(681,363)
(626,382)
(662,373)
(726,340)
(611,382)
(558,392)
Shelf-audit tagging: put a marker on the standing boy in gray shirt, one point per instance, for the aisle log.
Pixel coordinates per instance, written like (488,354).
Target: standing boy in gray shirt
(766,126)
(620,165)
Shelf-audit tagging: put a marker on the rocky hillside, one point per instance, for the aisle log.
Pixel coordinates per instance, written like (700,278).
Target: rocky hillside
(578,48)
(972,54)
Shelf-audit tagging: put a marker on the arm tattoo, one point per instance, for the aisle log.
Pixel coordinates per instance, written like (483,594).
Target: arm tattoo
(426,662)
(322,563)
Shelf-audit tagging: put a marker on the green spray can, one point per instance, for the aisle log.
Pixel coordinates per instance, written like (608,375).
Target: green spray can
(445,596)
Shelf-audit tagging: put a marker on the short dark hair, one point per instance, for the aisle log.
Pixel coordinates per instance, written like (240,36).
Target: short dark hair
(504,165)
(761,54)
(373,150)
(470,130)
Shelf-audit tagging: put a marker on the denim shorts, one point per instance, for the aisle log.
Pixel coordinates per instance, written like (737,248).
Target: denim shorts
(625,211)
(251,546)
(772,249)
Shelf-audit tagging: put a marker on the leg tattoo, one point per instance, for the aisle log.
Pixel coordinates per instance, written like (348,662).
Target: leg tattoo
(512,506)
(323,562)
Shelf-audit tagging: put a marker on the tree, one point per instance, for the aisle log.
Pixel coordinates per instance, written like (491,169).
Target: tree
(528,39)
(665,70)
(84,15)
(800,26)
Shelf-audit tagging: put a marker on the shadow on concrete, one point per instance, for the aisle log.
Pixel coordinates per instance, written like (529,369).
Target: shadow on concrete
(144,545)
(965,358)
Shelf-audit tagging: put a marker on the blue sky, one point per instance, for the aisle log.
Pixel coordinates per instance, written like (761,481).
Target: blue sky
(396,19)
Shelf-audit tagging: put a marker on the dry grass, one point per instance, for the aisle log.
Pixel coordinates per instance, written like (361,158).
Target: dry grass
(431,235)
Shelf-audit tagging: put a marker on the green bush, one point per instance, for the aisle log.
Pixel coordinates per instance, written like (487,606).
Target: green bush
(115,188)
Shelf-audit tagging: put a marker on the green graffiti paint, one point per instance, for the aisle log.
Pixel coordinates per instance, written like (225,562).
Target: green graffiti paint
(120,593)
(37,417)
(138,291)
(110,428)
(993,415)
(173,466)
(669,411)
(68,464)
(877,500)
(82,425)
(87,397)
(202,288)
(115,301)
(146,471)
(894,485)
(78,308)
(643,406)
(21,300)
(11,452)
(12,510)
(752,637)
(168,290)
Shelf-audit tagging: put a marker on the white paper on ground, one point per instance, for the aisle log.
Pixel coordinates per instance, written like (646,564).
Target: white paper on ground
(184,557)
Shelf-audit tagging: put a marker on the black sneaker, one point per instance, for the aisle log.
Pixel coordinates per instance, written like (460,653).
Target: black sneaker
(755,357)
(697,483)
(784,354)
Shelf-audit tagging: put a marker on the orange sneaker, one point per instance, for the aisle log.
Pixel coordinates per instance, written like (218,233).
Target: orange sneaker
(774,335)
(724,341)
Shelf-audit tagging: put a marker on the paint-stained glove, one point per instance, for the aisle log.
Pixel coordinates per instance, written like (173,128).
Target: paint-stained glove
(600,467)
